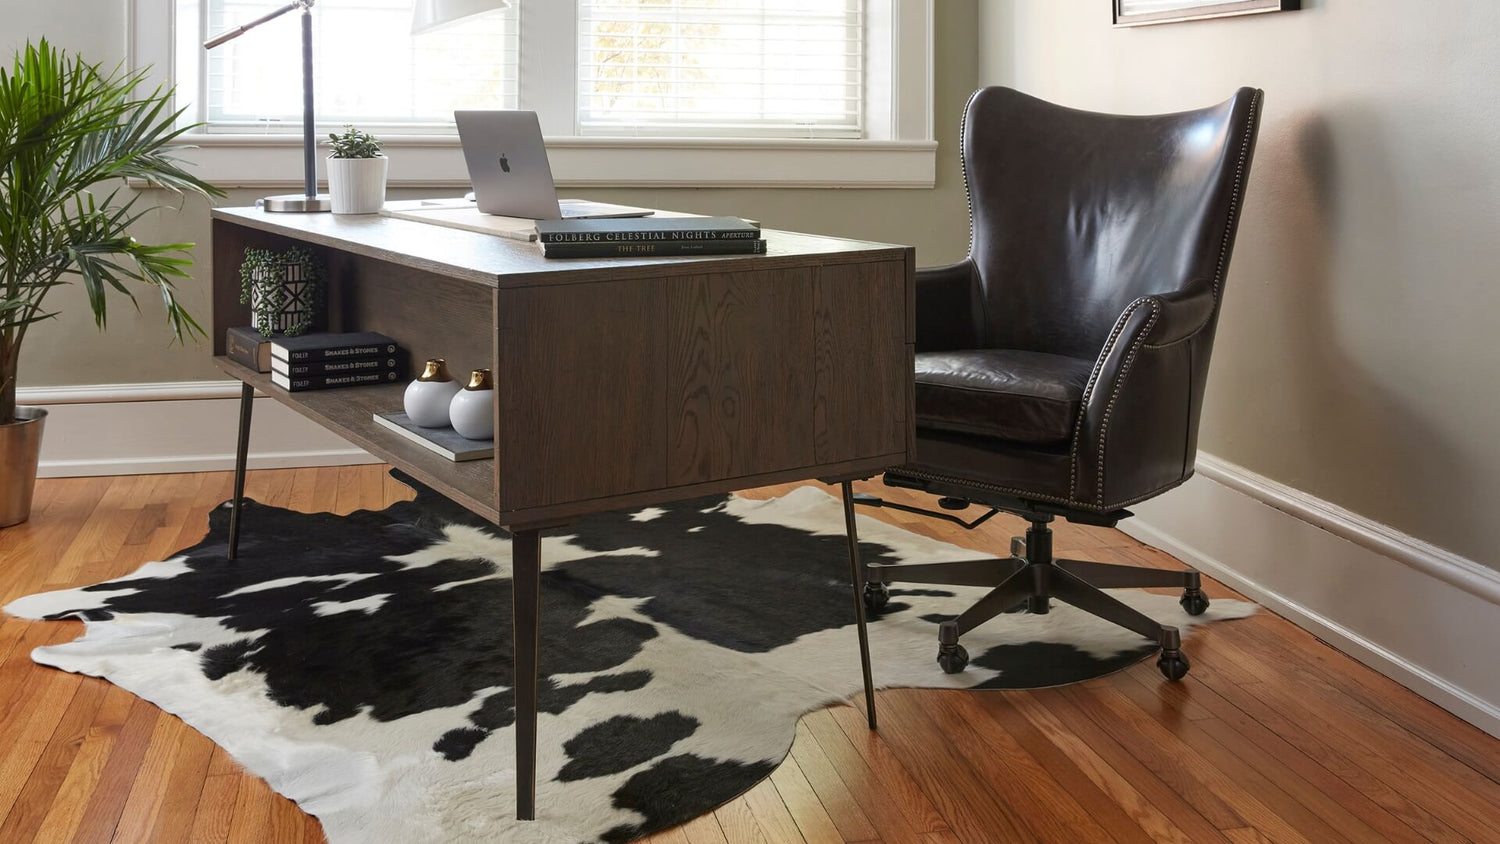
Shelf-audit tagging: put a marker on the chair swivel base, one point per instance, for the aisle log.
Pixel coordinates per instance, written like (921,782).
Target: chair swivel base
(1029,579)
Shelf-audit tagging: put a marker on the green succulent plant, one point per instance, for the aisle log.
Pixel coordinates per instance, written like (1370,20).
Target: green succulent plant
(352,143)
(71,133)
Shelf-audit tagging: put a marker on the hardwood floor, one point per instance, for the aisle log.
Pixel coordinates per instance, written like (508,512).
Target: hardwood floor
(1273,736)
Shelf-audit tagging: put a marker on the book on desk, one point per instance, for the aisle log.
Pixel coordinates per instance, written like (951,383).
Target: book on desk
(663,234)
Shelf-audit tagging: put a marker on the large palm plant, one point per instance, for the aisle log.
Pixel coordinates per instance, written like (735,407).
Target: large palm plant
(70,133)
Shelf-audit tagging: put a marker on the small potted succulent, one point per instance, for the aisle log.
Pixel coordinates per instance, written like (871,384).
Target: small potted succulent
(356,172)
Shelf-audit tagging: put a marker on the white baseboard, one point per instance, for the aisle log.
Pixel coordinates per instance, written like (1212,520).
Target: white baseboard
(1423,616)
(140,429)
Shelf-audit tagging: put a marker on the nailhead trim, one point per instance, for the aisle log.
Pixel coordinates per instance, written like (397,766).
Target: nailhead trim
(1237,196)
(1237,193)
(1119,384)
(963,166)
(1027,494)
(1088,393)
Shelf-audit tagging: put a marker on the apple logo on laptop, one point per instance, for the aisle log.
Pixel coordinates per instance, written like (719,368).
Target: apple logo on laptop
(504,164)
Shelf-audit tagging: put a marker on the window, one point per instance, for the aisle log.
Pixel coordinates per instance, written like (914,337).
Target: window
(793,93)
(415,83)
(790,68)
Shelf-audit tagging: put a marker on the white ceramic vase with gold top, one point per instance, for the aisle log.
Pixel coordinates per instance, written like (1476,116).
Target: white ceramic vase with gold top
(472,411)
(428,397)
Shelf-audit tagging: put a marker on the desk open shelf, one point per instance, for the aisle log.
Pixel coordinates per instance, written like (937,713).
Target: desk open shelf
(349,413)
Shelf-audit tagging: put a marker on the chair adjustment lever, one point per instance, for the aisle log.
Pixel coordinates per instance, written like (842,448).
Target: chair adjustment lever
(864,499)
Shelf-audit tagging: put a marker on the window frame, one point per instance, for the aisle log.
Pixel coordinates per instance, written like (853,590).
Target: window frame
(898,150)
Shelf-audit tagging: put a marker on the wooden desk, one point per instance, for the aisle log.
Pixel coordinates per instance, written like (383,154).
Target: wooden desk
(620,382)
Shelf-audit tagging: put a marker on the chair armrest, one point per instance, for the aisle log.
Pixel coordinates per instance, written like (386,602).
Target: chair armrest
(1181,313)
(947,307)
(1133,428)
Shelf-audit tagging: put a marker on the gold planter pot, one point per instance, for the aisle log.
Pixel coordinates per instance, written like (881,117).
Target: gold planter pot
(20,446)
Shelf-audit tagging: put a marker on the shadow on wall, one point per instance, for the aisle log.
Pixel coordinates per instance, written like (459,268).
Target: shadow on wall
(1339,245)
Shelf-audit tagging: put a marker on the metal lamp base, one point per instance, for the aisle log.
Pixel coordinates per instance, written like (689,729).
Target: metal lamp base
(296,202)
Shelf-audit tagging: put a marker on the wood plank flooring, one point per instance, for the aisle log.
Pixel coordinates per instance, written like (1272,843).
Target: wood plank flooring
(1274,736)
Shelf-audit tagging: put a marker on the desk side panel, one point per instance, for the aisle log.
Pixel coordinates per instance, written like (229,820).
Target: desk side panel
(740,379)
(863,365)
(581,387)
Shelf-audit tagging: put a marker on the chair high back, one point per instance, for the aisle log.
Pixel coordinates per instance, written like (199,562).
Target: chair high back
(1075,214)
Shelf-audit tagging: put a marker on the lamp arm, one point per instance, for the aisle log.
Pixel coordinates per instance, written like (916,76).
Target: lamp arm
(232,34)
(309,145)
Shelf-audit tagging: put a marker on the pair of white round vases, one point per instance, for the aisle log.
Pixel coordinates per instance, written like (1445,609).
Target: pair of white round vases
(435,400)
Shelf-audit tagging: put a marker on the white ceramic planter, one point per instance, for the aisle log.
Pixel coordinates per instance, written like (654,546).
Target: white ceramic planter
(357,185)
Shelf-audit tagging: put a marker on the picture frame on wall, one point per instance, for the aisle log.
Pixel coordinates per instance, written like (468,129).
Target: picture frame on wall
(1143,12)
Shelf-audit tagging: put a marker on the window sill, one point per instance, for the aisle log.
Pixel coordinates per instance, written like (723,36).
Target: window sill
(265,161)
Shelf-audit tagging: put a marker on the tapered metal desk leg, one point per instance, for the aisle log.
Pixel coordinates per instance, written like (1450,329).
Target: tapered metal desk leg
(857,575)
(526,565)
(241,455)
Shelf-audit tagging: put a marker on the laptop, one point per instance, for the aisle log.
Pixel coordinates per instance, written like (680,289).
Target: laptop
(510,172)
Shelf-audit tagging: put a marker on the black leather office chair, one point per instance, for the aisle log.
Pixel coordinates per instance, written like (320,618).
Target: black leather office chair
(1060,367)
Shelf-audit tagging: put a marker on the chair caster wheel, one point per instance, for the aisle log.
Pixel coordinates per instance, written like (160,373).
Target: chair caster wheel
(1173,665)
(1194,601)
(876,595)
(952,661)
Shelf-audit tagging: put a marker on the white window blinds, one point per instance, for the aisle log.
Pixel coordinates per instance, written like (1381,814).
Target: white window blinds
(767,68)
(369,69)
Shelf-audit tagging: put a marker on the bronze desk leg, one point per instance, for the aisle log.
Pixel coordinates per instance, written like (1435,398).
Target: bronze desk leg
(526,565)
(857,574)
(241,455)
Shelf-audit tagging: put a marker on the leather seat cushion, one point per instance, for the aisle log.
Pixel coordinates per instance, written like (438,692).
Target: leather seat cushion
(1013,395)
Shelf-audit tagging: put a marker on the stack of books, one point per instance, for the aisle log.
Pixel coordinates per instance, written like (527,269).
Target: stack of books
(642,237)
(325,360)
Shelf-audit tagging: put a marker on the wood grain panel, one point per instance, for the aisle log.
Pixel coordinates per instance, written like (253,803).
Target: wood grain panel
(863,362)
(581,392)
(739,388)
(429,315)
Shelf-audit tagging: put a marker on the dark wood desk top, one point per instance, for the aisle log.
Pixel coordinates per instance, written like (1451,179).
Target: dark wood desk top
(501,262)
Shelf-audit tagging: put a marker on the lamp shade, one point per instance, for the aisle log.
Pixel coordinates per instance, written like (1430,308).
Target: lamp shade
(430,15)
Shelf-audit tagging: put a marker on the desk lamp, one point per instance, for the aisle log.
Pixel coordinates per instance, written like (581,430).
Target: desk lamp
(309,199)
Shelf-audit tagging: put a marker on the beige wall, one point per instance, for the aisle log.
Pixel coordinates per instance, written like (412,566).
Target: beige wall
(136,349)
(1356,357)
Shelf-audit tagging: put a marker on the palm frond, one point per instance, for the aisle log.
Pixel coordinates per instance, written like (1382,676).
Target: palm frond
(67,127)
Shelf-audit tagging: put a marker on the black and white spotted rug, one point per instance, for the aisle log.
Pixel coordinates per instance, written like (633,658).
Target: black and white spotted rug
(361,663)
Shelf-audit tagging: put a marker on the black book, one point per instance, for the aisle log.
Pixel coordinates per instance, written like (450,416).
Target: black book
(248,347)
(329,346)
(653,249)
(295,384)
(632,229)
(380,364)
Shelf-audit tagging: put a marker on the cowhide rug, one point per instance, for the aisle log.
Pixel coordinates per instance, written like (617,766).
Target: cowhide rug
(361,663)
